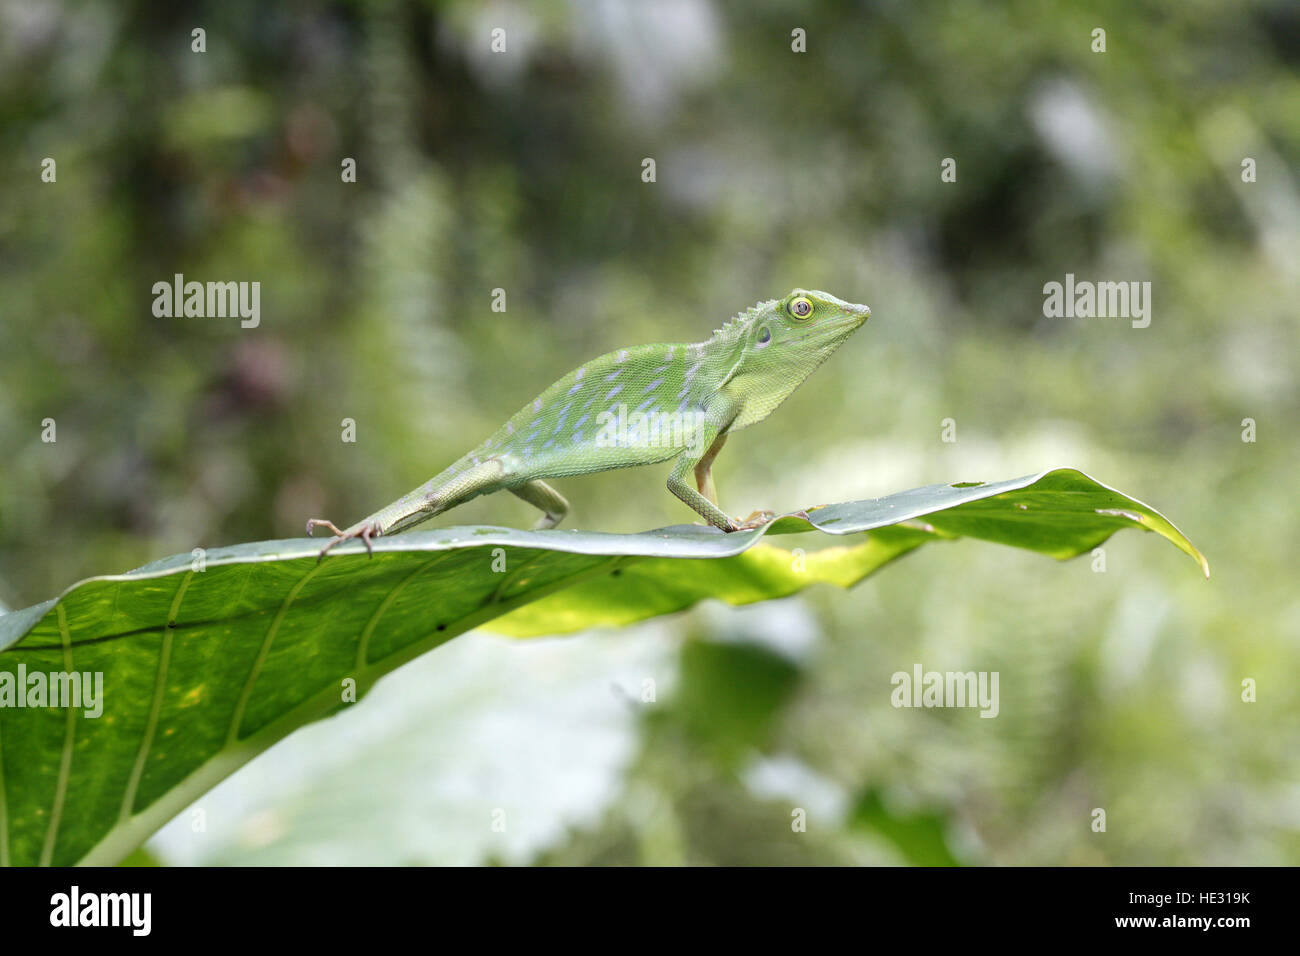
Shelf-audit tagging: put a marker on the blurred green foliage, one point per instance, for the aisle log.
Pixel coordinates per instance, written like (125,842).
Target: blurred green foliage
(1121,690)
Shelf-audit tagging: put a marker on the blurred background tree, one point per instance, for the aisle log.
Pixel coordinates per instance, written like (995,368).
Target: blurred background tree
(522,171)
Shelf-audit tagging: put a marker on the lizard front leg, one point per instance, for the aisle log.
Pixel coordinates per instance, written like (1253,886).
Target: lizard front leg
(711,435)
(679,486)
(704,469)
(704,481)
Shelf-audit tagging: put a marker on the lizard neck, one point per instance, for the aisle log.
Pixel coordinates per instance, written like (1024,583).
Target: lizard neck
(724,353)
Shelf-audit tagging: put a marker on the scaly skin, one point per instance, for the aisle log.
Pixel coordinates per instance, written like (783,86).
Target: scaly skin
(639,406)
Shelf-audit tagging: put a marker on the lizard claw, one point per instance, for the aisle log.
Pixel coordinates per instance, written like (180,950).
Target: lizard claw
(756,519)
(324,523)
(364,531)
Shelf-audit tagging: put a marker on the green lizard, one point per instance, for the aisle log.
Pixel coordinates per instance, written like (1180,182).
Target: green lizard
(639,406)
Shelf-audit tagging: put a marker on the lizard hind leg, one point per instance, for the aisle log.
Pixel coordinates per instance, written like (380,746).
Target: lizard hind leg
(444,491)
(541,495)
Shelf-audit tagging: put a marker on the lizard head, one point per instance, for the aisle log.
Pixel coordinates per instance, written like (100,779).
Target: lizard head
(783,341)
(800,331)
(809,321)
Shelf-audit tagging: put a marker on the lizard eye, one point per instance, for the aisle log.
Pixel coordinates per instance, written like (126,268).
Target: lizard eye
(764,335)
(801,308)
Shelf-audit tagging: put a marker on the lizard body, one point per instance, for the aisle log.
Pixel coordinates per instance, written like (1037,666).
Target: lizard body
(639,406)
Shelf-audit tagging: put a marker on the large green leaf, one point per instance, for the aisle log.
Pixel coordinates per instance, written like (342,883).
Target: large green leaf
(206,665)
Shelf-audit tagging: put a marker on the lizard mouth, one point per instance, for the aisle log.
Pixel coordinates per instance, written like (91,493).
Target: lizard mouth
(831,337)
(847,324)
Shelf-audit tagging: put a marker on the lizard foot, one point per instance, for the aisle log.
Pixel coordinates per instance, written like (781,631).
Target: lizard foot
(364,531)
(757,519)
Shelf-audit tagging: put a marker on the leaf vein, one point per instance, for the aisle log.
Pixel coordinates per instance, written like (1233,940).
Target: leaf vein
(232,735)
(65,759)
(155,707)
(363,643)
